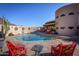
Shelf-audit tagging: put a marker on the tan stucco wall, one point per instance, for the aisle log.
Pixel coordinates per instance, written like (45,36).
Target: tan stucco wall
(67,20)
(20,31)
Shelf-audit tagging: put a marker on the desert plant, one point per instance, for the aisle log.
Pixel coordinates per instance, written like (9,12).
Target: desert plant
(11,34)
(5,26)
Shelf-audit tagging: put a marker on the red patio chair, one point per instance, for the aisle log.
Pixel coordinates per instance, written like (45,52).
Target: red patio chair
(15,50)
(56,50)
(63,49)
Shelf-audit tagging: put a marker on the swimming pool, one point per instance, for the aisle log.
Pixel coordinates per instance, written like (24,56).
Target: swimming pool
(33,37)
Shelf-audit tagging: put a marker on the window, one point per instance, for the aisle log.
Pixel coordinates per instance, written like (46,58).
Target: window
(56,27)
(71,13)
(56,16)
(70,27)
(23,28)
(62,27)
(78,13)
(78,27)
(62,15)
(29,28)
(16,28)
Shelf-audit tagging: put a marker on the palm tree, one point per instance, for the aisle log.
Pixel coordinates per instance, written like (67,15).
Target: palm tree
(5,26)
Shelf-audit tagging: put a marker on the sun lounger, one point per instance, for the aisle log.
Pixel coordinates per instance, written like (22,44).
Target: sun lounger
(15,50)
(63,49)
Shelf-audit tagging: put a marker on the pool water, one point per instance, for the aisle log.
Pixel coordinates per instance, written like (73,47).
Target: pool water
(33,37)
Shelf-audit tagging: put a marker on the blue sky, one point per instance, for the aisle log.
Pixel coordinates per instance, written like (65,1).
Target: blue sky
(29,14)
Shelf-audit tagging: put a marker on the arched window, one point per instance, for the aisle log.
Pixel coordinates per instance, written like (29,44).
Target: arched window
(62,15)
(29,28)
(57,17)
(16,28)
(57,27)
(71,27)
(78,27)
(23,28)
(71,13)
(62,27)
(78,13)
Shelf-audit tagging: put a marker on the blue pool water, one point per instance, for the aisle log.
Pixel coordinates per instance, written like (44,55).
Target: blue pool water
(33,37)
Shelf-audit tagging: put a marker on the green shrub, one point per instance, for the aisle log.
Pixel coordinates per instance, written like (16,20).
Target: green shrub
(11,34)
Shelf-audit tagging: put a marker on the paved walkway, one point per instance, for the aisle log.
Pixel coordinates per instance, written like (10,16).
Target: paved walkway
(46,44)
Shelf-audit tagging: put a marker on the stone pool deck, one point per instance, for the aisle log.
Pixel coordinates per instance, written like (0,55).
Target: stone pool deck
(46,44)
